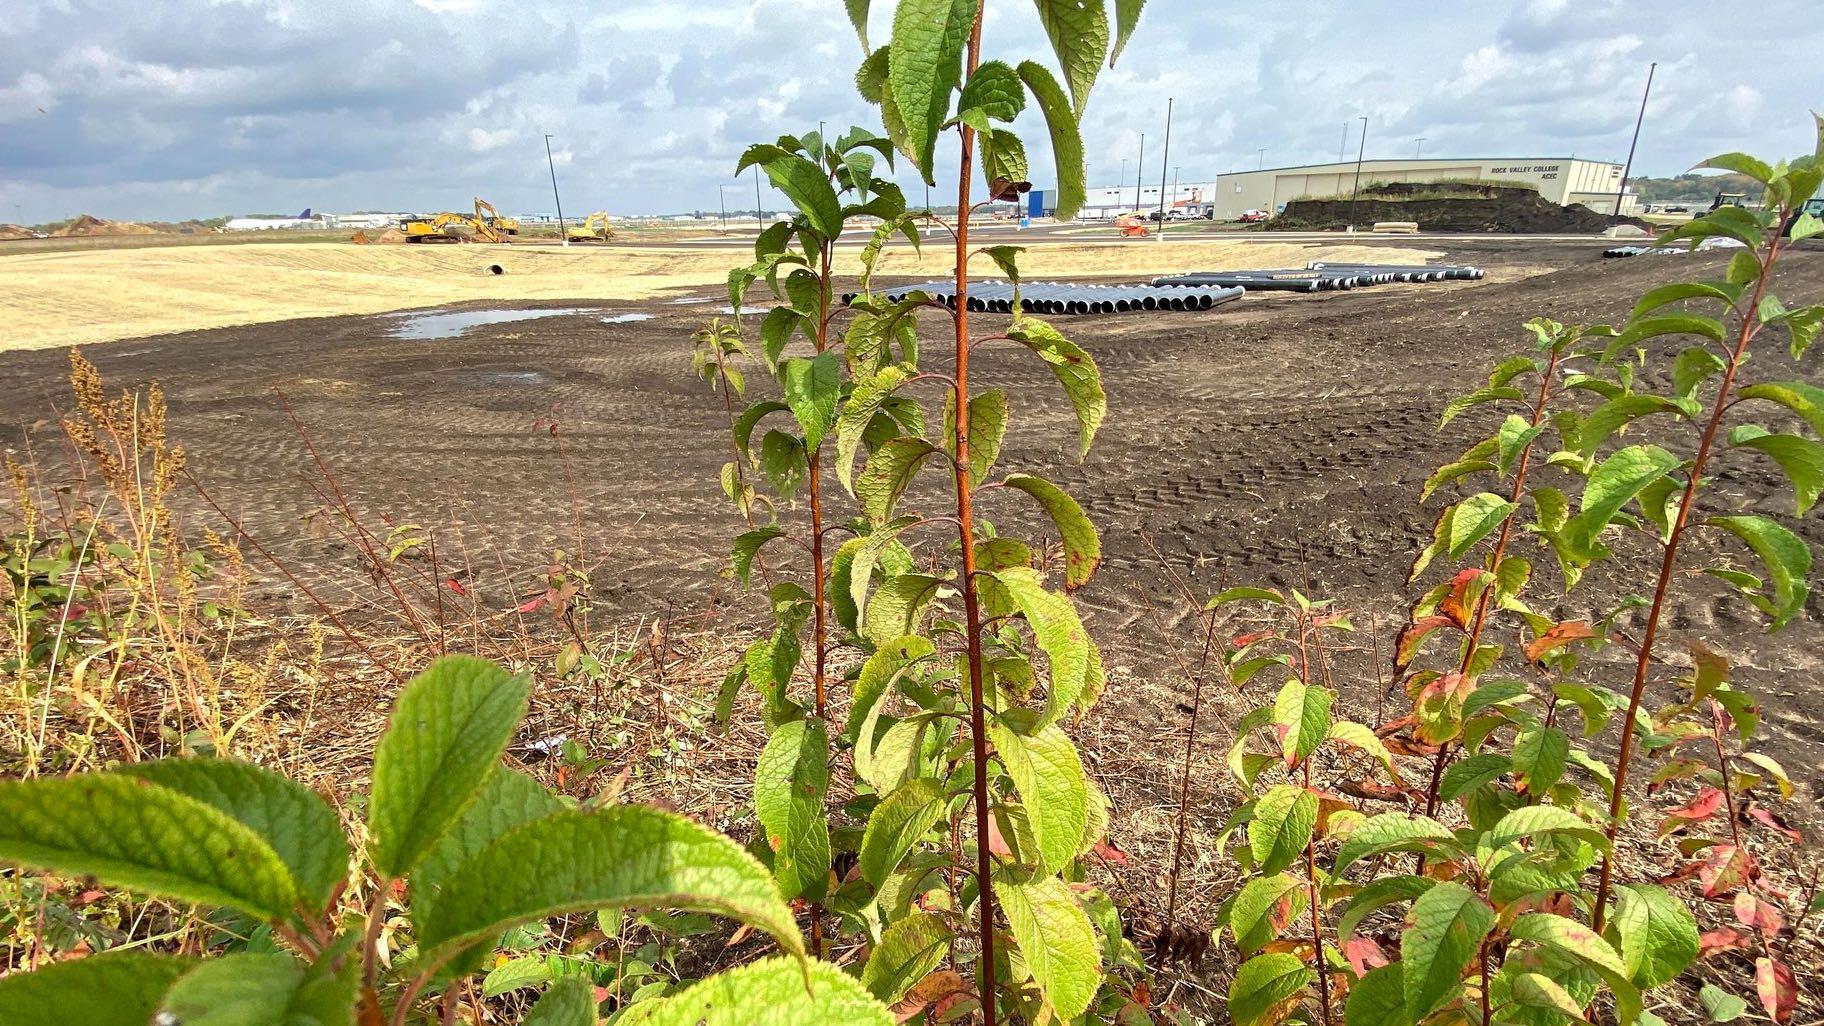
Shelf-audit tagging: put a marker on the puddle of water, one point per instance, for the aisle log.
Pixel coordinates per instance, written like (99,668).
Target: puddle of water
(451,323)
(627,318)
(688,300)
(748,309)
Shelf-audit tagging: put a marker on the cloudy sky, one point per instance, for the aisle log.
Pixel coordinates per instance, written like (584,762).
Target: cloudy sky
(192,108)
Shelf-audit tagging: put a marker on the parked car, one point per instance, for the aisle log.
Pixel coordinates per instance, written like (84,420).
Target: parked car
(1255,215)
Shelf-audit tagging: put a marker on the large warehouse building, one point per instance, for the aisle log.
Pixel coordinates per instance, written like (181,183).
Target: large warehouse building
(1563,180)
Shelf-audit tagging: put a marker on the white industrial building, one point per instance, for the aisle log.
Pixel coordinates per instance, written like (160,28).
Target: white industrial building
(1192,199)
(1562,180)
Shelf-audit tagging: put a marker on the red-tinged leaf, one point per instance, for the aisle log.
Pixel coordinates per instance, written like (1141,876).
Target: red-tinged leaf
(456,586)
(1725,867)
(1244,640)
(1364,954)
(1559,636)
(532,604)
(1457,600)
(1773,821)
(1110,853)
(1779,992)
(1439,707)
(1326,619)
(1414,635)
(1372,790)
(996,843)
(1706,804)
(1751,911)
(939,991)
(1715,942)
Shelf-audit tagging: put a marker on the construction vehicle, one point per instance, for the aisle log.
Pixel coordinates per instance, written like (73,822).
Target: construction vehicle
(1813,206)
(1131,226)
(593,229)
(485,213)
(449,227)
(1728,199)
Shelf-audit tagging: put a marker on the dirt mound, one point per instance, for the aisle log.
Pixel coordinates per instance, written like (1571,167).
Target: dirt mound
(1448,207)
(391,235)
(89,225)
(9,232)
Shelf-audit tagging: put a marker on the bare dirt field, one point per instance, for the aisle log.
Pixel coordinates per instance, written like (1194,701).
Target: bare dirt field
(1271,438)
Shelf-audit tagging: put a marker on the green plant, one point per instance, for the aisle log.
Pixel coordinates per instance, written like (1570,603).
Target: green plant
(480,848)
(971,806)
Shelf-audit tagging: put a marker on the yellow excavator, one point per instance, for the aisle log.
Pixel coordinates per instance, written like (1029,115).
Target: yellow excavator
(450,227)
(485,212)
(593,229)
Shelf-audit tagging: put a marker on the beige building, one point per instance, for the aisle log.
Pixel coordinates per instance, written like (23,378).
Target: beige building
(1563,180)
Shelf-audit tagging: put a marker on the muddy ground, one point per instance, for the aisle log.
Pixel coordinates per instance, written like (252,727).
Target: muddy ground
(1271,438)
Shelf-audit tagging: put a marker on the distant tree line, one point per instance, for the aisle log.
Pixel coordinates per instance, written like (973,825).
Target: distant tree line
(1693,188)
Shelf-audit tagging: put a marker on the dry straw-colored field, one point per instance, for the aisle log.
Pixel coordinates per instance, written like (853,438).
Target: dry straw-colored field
(83,296)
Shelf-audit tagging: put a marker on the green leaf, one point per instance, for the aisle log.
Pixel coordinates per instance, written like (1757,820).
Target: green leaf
(1378,894)
(1048,775)
(1303,715)
(508,799)
(1060,635)
(624,856)
(789,784)
(811,387)
(924,66)
(1537,821)
(1390,831)
(1074,370)
(1066,137)
(448,729)
(1082,546)
(569,1001)
(1251,913)
(1472,520)
(858,17)
(300,826)
(747,546)
(882,668)
(1284,821)
(1263,984)
(1784,554)
(137,835)
(809,189)
(1536,990)
(116,988)
(908,951)
(1493,393)
(1579,942)
(1377,999)
(1245,594)
(1079,36)
(1359,737)
(897,824)
(1468,774)
(864,402)
(778,991)
(516,974)
(1801,458)
(987,427)
(889,472)
(1444,932)
(1719,1004)
(1692,367)
(1802,398)
(1741,164)
(1678,292)
(243,989)
(1613,483)
(1539,755)
(1055,936)
(1658,936)
(898,607)
(1618,412)
(1127,18)
(750,418)
(995,90)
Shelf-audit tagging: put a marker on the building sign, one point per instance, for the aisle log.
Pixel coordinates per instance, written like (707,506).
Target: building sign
(1544,171)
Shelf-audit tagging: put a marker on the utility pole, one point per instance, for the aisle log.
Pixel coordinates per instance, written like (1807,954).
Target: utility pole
(1260,160)
(1356,193)
(1175,170)
(1343,147)
(722,204)
(1418,147)
(758,217)
(1139,172)
(1165,162)
(1629,166)
(1123,179)
(562,233)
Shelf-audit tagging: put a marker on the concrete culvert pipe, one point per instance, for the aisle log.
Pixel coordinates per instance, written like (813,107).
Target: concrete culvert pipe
(496,269)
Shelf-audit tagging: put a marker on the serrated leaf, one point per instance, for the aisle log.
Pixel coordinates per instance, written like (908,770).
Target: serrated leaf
(1047,774)
(809,189)
(1614,482)
(1537,821)
(878,673)
(1538,991)
(987,428)
(1127,18)
(1359,737)
(300,826)
(1378,894)
(1251,913)
(569,1001)
(1468,774)
(1302,715)
(623,856)
(1579,942)
(995,90)
(908,951)
(898,607)
(1692,367)
(1539,756)
(1060,635)
(448,729)
(811,387)
(747,545)
(241,989)
(789,784)
(1055,937)
(507,799)
(1264,985)
(1390,831)
(1066,137)
(1801,459)
(134,834)
(1658,936)
(924,66)
(1285,819)
(116,988)
(1493,393)
(1079,36)
(1082,545)
(791,993)
(864,402)
(896,824)
(1472,520)
(1802,398)
(889,471)
(1444,932)
(1784,554)
(1074,370)
(1377,999)
(1719,1004)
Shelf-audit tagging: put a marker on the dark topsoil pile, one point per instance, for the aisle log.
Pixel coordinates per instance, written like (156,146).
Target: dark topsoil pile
(1469,208)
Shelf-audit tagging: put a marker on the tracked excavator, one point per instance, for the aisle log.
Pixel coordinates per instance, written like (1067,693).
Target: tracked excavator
(593,229)
(450,227)
(485,212)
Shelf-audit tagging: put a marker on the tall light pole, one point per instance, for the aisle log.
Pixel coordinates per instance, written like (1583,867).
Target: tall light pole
(1356,193)
(1343,147)
(1165,162)
(1260,159)
(758,217)
(1629,166)
(1418,147)
(722,204)
(1139,172)
(562,233)
(1175,170)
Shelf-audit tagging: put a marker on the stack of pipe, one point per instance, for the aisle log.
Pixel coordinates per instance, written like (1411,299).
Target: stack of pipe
(1044,297)
(1405,272)
(1301,279)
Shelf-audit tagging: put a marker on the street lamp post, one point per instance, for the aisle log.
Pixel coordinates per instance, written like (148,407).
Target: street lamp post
(1165,162)
(1355,194)
(1418,147)
(562,233)
(758,217)
(1139,172)
(1260,160)
(1629,166)
(722,205)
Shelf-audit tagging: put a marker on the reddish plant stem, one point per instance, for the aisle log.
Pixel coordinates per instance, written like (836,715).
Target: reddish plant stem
(1668,564)
(820,628)
(1479,622)
(1184,776)
(965,518)
(1317,923)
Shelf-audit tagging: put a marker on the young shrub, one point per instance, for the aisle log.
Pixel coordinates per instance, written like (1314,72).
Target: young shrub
(479,847)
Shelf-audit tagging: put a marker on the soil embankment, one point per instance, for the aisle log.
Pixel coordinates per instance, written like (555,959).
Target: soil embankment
(1439,207)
